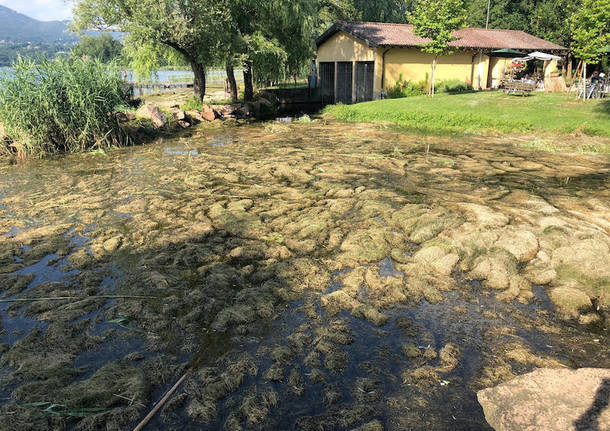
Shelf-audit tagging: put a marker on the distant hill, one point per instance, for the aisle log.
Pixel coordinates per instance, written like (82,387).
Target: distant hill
(18,28)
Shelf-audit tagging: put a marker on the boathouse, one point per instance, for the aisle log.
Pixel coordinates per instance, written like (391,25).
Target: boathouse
(358,61)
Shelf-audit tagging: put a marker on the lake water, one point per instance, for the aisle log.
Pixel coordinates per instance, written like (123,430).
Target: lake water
(214,77)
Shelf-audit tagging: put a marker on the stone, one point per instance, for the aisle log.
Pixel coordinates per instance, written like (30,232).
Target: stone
(521,244)
(194,116)
(154,114)
(178,114)
(496,270)
(184,124)
(550,400)
(112,244)
(438,258)
(570,301)
(483,215)
(207,113)
(587,258)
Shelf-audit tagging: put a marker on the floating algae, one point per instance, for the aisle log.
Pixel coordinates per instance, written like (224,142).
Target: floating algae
(321,276)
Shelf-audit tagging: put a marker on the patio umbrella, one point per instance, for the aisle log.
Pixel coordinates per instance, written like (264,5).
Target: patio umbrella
(507,53)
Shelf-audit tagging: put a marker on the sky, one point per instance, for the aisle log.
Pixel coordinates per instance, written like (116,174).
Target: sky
(43,10)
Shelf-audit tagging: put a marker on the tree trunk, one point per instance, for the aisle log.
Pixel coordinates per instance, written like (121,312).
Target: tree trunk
(248,82)
(584,80)
(432,77)
(199,81)
(232,82)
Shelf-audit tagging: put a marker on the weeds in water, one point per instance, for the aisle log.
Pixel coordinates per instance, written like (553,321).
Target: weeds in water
(62,105)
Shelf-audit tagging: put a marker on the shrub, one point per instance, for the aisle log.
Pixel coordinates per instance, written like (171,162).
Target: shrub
(404,88)
(66,105)
(453,86)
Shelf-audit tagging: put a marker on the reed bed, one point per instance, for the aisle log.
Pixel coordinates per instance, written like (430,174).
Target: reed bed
(60,105)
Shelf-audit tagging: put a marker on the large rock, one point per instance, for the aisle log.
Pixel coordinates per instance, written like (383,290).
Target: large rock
(154,114)
(522,244)
(208,113)
(550,400)
(569,301)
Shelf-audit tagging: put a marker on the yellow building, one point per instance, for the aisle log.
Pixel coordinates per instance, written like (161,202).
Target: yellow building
(359,61)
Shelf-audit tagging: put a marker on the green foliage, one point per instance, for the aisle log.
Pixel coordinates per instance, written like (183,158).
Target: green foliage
(436,20)
(543,18)
(193,104)
(103,48)
(9,53)
(453,86)
(590,26)
(60,105)
(482,112)
(404,88)
(196,30)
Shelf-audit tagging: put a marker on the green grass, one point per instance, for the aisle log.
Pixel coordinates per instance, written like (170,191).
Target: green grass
(483,113)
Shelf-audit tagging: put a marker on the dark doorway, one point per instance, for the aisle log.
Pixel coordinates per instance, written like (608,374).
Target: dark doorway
(365,78)
(345,71)
(327,82)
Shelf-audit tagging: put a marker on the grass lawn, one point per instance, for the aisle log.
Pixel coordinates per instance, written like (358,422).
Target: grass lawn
(484,112)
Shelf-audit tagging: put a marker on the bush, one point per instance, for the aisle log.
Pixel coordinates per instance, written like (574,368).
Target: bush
(404,88)
(66,105)
(453,86)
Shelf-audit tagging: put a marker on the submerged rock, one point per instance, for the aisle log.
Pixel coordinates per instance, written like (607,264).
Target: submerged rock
(550,400)
(570,301)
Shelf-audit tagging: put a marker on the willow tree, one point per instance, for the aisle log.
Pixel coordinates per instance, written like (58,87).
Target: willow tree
(271,38)
(436,20)
(195,30)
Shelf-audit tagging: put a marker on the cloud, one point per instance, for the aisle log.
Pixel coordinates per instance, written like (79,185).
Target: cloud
(43,10)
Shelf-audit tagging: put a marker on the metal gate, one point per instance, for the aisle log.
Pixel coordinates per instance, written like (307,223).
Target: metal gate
(345,71)
(365,78)
(327,82)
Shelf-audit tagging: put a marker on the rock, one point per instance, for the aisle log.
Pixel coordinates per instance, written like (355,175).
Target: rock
(265,102)
(178,114)
(184,124)
(225,111)
(569,301)
(194,116)
(207,113)
(496,269)
(521,244)
(588,258)
(438,258)
(484,216)
(550,400)
(154,114)
(112,244)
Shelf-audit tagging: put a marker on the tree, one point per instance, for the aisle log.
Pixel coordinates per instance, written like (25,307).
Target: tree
(271,39)
(104,48)
(436,20)
(590,27)
(195,30)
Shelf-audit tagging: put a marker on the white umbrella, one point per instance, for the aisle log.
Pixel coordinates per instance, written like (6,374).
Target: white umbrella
(538,56)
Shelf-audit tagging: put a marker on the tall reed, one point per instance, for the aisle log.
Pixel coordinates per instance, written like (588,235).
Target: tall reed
(60,105)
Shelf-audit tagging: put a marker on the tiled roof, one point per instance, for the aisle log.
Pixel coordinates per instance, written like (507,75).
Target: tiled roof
(383,34)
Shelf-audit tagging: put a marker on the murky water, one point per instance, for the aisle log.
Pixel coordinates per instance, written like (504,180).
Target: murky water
(317,276)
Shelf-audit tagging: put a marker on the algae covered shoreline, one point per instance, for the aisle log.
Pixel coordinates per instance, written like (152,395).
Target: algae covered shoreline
(325,276)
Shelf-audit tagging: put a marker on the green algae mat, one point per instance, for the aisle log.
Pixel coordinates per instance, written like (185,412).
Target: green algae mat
(313,276)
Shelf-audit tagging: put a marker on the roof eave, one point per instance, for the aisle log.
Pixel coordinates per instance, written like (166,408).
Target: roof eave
(337,27)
